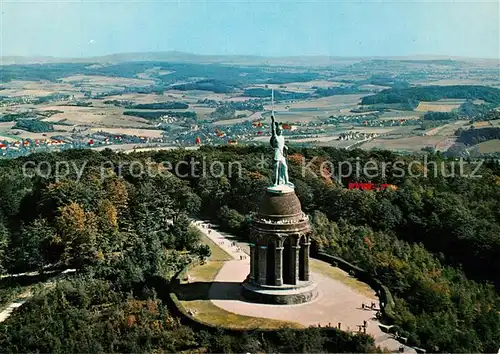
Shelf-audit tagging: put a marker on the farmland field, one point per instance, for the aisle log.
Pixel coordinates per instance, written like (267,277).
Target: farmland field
(95,116)
(439,106)
(106,81)
(448,129)
(324,103)
(129,131)
(401,115)
(315,109)
(81,112)
(413,143)
(301,86)
(482,124)
(486,147)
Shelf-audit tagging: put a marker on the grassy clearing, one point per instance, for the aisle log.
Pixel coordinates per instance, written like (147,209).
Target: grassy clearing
(207,312)
(439,106)
(328,270)
(217,253)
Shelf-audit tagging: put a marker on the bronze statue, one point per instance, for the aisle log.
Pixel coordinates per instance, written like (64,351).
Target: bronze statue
(280,167)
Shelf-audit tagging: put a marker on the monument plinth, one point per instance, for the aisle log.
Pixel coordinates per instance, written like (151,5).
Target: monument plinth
(279,252)
(280,240)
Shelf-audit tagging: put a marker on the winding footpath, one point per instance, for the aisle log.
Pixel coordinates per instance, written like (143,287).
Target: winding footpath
(23,297)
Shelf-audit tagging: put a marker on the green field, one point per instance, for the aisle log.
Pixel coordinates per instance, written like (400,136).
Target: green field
(487,147)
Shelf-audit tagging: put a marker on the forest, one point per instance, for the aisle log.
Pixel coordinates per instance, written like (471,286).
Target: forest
(158,105)
(34,125)
(127,234)
(440,116)
(213,85)
(158,114)
(434,241)
(475,136)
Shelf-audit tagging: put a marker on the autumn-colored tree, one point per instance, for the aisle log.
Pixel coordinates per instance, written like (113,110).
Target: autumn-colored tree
(117,193)
(108,216)
(77,230)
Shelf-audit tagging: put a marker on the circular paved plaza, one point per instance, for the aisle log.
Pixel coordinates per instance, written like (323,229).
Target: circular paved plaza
(336,301)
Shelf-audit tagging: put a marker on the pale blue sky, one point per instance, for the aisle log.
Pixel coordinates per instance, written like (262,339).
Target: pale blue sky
(81,28)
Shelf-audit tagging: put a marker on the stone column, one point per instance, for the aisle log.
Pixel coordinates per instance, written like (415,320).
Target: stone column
(262,265)
(306,260)
(252,262)
(294,266)
(278,267)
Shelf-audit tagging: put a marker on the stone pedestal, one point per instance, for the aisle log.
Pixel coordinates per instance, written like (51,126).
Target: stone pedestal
(279,271)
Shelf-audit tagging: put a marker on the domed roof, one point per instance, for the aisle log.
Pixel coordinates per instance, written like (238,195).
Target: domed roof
(280,205)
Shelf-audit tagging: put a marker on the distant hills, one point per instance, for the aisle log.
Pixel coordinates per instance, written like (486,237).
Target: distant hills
(174,56)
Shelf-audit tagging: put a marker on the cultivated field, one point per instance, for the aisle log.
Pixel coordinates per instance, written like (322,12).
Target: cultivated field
(448,129)
(106,81)
(487,147)
(334,103)
(129,131)
(302,86)
(95,116)
(315,109)
(439,106)
(412,143)
(395,115)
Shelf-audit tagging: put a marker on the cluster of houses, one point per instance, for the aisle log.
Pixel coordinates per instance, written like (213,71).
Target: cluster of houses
(26,146)
(32,99)
(56,143)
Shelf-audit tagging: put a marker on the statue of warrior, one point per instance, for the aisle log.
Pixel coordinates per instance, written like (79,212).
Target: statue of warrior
(280,168)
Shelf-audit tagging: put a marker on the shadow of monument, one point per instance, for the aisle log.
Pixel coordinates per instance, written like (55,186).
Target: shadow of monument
(210,291)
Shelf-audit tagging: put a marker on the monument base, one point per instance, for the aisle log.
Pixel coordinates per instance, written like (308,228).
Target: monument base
(280,295)
(281,188)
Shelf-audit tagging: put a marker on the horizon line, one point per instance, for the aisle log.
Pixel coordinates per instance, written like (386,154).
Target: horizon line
(294,56)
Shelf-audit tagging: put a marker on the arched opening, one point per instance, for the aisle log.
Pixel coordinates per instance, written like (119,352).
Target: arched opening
(287,276)
(271,265)
(302,258)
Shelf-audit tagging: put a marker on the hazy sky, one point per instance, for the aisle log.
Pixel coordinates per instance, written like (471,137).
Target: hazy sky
(65,28)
